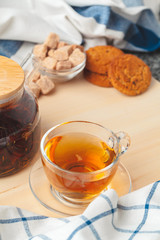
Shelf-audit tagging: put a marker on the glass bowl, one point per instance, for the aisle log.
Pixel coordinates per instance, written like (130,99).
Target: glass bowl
(58,75)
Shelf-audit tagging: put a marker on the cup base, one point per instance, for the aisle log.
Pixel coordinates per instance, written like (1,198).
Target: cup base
(68,201)
(55,202)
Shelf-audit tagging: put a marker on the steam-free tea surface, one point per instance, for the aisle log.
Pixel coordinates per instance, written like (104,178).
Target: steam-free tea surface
(79,152)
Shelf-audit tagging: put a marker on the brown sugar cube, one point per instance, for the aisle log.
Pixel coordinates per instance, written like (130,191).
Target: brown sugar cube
(40,51)
(49,62)
(52,40)
(74,46)
(34,88)
(45,84)
(62,44)
(51,52)
(62,54)
(63,65)
(34,77)
(76,57)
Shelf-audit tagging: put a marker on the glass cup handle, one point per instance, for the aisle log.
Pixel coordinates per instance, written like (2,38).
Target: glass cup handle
(124,142)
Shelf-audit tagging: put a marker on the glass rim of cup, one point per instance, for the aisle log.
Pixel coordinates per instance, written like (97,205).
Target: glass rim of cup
(74,172)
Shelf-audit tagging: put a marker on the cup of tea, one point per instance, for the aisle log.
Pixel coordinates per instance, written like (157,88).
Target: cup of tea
(80,159)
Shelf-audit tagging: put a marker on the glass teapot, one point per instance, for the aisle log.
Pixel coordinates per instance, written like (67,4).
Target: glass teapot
(19,119)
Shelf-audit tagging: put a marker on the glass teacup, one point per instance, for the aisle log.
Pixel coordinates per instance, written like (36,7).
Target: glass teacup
(80,159)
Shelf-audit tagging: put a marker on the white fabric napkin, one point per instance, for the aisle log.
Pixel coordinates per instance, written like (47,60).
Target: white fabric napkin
(125,24)
(134,216)
(129,25)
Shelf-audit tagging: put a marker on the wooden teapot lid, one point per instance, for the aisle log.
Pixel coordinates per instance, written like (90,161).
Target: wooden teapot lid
(11,77)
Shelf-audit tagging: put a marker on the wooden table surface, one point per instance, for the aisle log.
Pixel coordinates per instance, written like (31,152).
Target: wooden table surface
(78,99)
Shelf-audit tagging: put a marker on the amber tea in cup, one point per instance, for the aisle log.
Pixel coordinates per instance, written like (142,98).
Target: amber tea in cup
(79,152)
(80,158)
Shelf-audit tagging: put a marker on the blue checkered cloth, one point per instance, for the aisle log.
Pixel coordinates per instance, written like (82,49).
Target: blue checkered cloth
(125,24)
(135,216)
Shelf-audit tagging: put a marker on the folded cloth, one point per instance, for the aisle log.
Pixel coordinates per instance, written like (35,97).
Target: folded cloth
(134,216)
(125,24)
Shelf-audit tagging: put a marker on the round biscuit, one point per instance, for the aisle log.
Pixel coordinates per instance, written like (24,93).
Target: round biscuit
(97,79)
(100,57)
(130,75)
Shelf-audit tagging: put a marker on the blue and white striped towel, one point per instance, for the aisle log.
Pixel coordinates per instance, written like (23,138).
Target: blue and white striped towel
(135,216)
(125,24)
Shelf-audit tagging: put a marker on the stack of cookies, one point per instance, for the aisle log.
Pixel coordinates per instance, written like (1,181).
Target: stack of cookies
(98,60)
(108,66)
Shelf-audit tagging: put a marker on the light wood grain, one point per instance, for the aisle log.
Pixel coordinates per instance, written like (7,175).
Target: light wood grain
(11,77)
(80,100)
